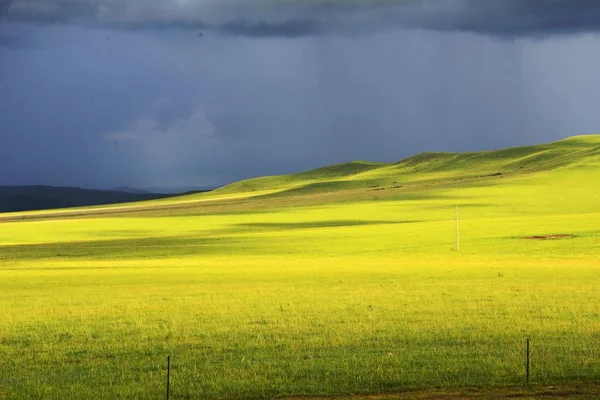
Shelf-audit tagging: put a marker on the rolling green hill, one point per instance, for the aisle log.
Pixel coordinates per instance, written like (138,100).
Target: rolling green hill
(427,175)
(434,167)
(343,280)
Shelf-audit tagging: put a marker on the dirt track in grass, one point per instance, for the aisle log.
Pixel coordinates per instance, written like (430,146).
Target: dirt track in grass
(580,392)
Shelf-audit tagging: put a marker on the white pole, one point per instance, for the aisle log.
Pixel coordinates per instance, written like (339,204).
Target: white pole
(457,232)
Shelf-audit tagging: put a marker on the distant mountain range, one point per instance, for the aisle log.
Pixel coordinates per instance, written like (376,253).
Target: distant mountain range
(26,198)
(168,190)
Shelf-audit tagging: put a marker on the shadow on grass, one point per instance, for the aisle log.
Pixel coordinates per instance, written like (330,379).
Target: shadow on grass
(223,242)
(571,391)
(129,248)
(317,224)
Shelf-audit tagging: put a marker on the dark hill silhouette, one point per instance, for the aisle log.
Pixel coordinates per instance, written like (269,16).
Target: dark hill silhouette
(26,198)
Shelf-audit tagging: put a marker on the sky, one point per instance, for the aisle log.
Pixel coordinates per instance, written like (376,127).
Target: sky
(199,93)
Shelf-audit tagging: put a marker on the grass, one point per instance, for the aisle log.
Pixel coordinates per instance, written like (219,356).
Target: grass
(529,392)
(336,281)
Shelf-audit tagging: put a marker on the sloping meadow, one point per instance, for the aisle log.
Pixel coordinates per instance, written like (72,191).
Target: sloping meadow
(268,291)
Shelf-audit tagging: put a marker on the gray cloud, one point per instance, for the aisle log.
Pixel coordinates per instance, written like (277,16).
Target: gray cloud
(291,18)
(164,147)
(106,108)
(13,41)
(17,36)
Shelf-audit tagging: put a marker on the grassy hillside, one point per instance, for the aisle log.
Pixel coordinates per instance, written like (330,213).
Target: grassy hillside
(341,280)
(427,174)
(435,167)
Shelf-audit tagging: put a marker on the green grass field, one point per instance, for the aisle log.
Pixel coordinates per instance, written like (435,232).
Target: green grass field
(340,280)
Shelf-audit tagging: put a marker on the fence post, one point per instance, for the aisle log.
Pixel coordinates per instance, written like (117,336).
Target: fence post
(528,360)
(168,376)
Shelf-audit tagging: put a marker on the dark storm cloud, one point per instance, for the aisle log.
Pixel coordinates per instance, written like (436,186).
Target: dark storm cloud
(13,41)
(16,36)
(291,18)
(263,29)
(107,108)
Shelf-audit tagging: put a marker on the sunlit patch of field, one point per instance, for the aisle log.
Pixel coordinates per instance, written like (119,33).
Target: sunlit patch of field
(278,287)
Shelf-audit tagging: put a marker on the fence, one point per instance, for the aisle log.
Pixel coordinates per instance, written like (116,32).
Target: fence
(314,367)
(522,364)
